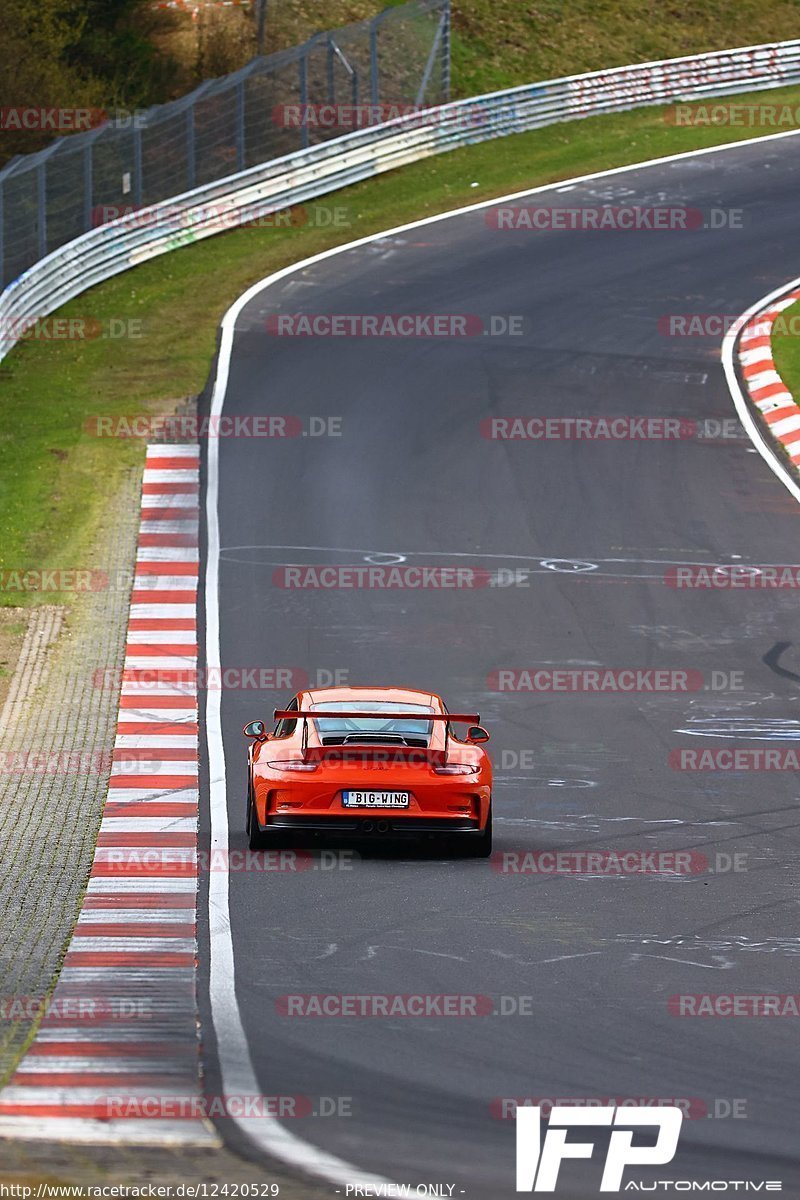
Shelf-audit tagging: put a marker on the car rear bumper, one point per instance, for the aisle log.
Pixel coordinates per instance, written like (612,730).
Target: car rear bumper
(375,826)
(444,801)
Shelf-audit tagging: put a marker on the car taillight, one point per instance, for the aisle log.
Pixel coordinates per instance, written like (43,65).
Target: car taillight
(456,769)
(292,764)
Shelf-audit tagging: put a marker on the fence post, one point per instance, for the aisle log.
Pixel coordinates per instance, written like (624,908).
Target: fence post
(374,61)
(191,162)
(303,68)
(138,188)
(88,183)
(240,146)
(446,16)
(438,42)
(374,78)
(41,206)
(2,235)
(331,81)
(261,24)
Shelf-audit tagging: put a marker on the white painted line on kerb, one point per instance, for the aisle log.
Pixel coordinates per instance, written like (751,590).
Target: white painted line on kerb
(157,663)
(141,741)
(236,1065)
(100,885)
(86,1131)
(762,445)
(186,499)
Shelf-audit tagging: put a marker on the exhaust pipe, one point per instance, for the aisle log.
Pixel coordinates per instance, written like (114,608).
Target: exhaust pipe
(367,826)
(382,827)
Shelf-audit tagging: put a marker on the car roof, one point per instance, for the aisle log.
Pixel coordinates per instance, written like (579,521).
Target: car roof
(398,695)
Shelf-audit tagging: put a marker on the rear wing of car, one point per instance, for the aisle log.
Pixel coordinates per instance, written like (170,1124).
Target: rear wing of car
(287,714)
(370,748)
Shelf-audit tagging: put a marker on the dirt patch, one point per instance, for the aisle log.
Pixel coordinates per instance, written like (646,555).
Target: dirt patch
(204,43)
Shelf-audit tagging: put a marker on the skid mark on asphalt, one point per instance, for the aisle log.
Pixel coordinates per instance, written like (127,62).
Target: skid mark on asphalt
(372,952)
(526,566)
(720,964)
(540,782)
(542,962)
(671,637)
(768,729)
(657,820)
(735,942)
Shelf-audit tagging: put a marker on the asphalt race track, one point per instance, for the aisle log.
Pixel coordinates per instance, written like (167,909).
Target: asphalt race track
(412,476)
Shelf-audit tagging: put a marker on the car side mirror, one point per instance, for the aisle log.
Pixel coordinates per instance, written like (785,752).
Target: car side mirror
(255,729)
(476,733)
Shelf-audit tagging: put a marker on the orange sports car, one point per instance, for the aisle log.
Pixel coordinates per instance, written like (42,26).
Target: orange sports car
(369,762)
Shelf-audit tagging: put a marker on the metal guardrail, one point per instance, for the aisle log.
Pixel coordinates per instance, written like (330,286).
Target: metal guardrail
(123,161)
(294,178)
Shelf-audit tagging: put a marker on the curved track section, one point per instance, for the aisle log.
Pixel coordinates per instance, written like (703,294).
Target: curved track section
(585,532)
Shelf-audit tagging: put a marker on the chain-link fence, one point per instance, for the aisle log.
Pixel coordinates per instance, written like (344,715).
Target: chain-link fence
(337,81)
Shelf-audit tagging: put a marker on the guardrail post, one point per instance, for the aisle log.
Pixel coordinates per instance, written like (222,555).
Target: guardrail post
(240,146)
(41,207)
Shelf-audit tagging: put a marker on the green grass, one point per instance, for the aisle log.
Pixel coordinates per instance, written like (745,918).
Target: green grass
(57,481)
(499,43)
(786,349)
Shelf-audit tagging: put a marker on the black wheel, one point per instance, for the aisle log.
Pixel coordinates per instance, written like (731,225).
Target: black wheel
(255,838)
(480,846)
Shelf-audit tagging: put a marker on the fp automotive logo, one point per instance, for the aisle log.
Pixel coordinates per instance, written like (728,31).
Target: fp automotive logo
(538,1165)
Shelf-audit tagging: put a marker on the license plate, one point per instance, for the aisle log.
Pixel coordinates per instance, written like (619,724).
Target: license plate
(375,799)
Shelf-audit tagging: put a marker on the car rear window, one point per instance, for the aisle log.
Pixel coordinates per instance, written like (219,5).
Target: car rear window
(386,725)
